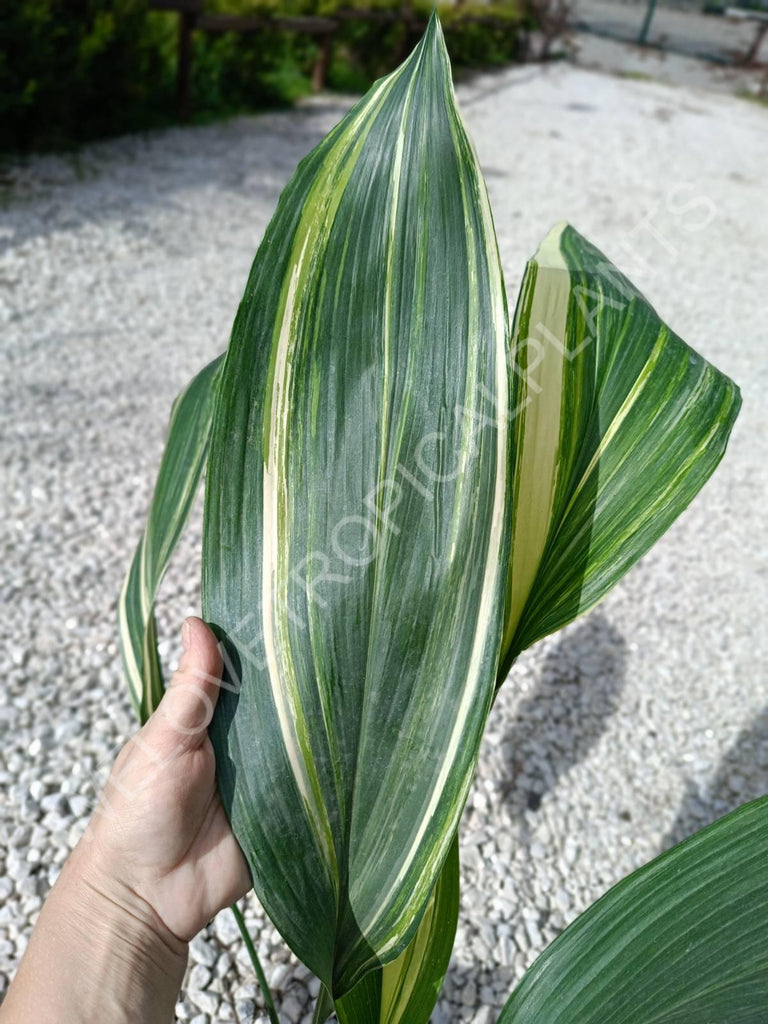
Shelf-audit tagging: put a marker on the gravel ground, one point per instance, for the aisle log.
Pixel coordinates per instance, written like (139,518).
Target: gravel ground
(120,274)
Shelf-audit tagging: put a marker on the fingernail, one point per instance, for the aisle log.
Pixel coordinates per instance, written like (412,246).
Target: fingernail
(186,634)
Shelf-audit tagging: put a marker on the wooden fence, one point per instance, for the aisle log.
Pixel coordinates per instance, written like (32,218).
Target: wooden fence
(192,17)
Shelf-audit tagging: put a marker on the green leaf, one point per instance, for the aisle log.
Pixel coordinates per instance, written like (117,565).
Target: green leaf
(617,424)
(177,481)
(323,1007)
(684,940)
(406,990)
(356,524)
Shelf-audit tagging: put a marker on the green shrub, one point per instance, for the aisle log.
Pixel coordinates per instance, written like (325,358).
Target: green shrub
(236,71)
(72,70)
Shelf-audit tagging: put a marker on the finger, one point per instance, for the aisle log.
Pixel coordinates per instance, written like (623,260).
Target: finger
(187,706)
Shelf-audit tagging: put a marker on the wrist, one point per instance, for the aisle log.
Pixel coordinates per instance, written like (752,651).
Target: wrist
(128,946)
(98,952)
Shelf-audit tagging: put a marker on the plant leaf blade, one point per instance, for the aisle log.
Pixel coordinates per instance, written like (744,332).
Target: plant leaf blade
(617,424)
(682,940)
(177,482)
(356,523)
(406,989)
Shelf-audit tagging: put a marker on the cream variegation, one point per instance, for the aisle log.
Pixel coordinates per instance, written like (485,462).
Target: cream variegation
(356,523)
(406,989)
(402,494)
(177,483)
(617,424)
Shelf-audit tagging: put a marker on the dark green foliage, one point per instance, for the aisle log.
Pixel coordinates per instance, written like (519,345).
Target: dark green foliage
(74,70)
(237,71)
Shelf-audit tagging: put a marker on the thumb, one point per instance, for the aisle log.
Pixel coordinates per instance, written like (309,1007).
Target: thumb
(187,705)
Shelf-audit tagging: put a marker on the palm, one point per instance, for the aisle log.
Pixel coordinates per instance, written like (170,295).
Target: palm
(191,862)
(173,840)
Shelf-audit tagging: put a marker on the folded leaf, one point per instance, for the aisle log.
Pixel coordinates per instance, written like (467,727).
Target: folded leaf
(356,524)
(406,990)
(684,940)
(177,482)
(617,424)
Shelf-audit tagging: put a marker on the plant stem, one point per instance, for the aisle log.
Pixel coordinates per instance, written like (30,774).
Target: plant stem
(323,1007)
(268,1003)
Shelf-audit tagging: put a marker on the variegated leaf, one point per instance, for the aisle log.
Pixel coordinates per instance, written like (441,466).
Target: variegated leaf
(177,481)
(356,524)
(617,424)
(405,991)
(683,940)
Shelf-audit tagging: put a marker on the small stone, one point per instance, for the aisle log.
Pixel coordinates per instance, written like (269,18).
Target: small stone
(248,990)
(563,899)
(292,1008)
(18,655)
(224,964)
(20,836)
(57,803)
(208,1002)
(278,975)
(39,744)
(29,810)
(442,1014)
(80,805)
(199,977)
(225,927)
(28,886)
(36,790)
(245,1010)
(16,866)
(202,952)
(534,935)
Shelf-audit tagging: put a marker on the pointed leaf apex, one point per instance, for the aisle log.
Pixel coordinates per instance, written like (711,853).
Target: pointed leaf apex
(432,43)
(548,254)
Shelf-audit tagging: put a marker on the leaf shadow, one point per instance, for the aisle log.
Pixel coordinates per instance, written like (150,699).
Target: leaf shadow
(742,776)
(555,727)
(559,723)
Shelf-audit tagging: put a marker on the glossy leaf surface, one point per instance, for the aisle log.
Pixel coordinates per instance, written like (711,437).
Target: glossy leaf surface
(177,482)
(616,425)
(356,524)
(406,990)
(684,940)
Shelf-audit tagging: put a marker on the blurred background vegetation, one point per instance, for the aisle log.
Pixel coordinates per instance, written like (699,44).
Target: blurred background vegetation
(74,70)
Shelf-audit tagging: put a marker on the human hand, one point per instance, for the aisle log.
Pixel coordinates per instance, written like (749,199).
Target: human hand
(159,830)
(156,862)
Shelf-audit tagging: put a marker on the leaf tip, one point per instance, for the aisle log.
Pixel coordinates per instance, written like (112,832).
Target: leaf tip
(548,254)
